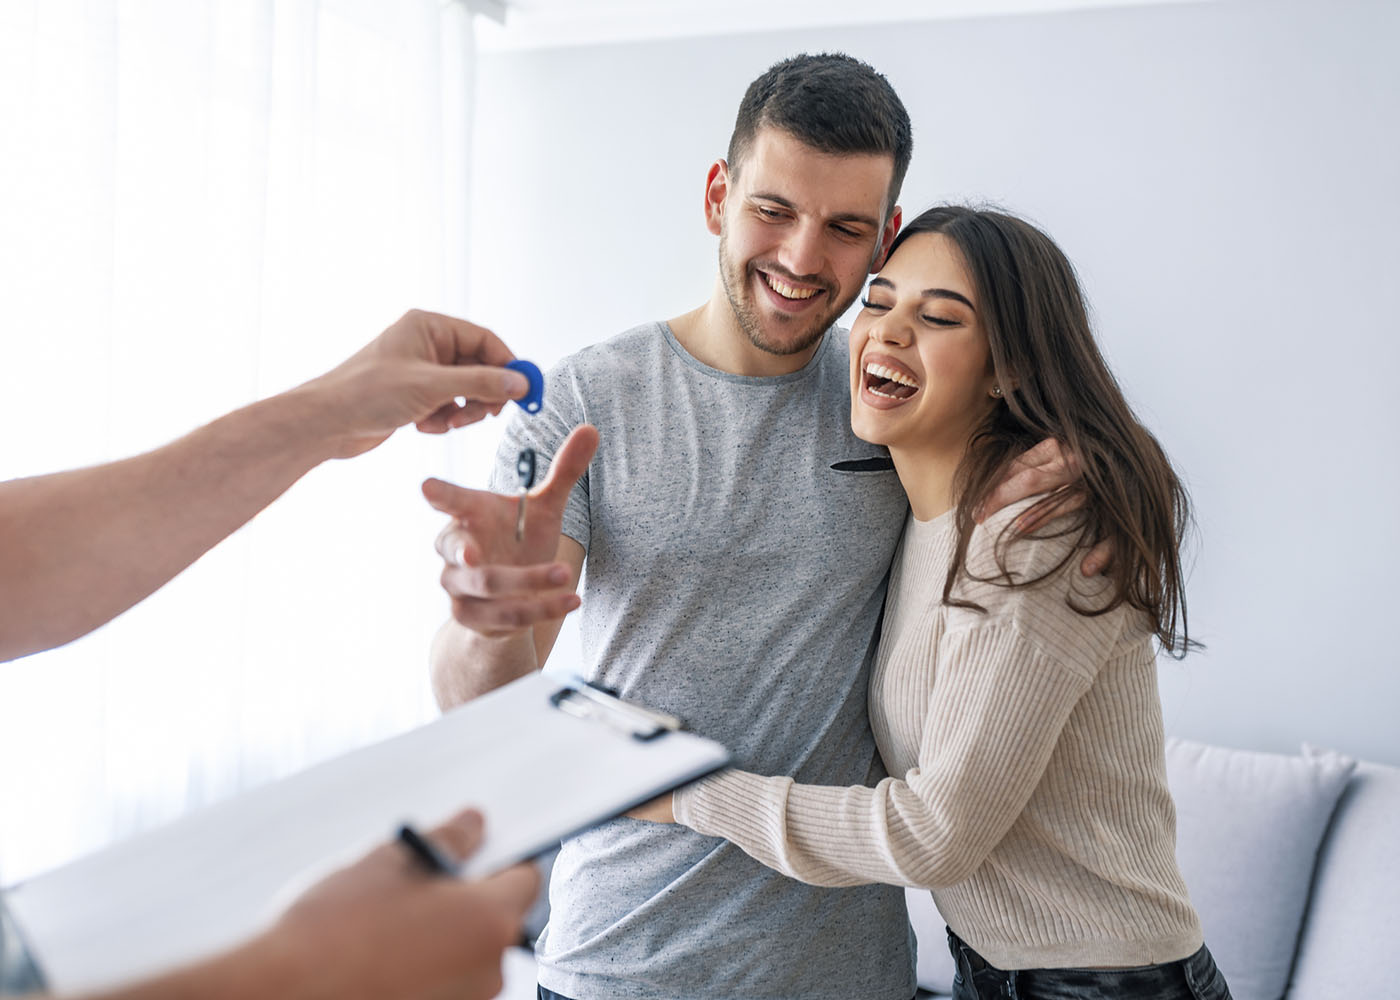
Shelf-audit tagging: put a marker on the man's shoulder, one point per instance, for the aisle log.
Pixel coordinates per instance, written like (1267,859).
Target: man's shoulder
(838,347)
(633,347)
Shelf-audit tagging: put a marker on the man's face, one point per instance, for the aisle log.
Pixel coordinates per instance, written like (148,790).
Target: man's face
(799,231)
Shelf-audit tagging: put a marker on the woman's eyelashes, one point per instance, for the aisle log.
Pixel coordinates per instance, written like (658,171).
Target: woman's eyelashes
(867,303)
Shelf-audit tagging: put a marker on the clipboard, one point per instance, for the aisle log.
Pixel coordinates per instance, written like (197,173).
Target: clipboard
(541,758)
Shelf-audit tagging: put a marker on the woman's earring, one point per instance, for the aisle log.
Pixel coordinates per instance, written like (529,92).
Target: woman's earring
(996,392)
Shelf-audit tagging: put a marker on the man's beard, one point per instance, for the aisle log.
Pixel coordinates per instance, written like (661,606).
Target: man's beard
(746,312)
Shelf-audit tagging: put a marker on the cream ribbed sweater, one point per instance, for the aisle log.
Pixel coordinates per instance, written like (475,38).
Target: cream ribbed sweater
(1030,789)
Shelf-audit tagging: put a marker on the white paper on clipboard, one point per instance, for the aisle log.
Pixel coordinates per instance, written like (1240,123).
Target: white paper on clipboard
(541,758)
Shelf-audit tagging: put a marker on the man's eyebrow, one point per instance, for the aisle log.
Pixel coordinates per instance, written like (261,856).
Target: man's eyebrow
(928,293)
(865,220)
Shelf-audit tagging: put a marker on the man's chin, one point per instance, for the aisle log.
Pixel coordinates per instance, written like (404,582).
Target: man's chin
(787,343)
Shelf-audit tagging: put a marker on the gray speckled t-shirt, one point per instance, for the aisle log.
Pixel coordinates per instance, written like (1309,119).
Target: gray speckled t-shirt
(733,578)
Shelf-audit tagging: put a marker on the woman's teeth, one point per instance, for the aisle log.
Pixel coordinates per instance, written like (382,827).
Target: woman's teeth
(885,378)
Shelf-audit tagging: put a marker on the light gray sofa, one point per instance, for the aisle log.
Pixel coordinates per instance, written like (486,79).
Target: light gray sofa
(1293,863)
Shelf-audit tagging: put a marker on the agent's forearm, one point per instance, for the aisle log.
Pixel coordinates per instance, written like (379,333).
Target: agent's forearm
(78,548)
(267,966)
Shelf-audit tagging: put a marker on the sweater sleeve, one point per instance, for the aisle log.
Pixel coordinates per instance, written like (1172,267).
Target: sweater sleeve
(1006,683)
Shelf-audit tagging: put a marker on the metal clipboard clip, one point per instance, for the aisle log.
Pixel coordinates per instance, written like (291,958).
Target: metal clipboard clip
(585,700)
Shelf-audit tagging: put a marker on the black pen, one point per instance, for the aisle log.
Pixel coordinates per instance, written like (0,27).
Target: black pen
(427,852)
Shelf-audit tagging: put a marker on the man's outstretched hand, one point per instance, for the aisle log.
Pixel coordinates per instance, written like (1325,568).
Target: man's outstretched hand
(499,586)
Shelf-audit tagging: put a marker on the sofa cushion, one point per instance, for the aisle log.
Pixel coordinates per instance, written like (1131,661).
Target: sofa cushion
(1248,829)
(1355,906)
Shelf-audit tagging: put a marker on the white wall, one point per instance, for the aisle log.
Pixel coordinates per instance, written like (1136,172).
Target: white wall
(1223,174)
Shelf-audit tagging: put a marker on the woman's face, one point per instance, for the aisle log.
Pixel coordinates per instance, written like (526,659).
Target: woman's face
(921,371)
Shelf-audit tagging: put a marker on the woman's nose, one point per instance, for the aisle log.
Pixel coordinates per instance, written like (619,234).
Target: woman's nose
(891,329)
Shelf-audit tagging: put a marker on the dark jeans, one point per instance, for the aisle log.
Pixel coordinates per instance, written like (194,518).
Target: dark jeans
(1194,978)
(545,994)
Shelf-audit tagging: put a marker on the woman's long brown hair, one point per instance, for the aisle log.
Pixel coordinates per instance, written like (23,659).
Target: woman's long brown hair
(1055,384)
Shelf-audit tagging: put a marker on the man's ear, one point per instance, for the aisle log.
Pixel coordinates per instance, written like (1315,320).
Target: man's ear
(887,235)
(716,190)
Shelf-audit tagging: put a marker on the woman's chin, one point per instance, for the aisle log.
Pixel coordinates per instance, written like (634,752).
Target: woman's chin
(869,427)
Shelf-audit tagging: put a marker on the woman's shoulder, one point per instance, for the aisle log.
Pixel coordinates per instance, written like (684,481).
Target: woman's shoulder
(999,548)
(1032,581)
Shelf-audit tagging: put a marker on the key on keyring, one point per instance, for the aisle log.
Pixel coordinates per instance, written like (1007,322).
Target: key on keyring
(525,472)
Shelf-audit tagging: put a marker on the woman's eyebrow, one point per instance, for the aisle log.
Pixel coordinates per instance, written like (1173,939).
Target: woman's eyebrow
(928,293)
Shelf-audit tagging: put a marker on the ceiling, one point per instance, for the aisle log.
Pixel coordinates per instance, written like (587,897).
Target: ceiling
(526,24)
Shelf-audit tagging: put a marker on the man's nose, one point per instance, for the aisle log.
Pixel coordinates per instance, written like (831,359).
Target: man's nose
(803,253)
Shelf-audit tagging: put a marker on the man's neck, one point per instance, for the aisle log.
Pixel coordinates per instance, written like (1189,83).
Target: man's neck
(712,335)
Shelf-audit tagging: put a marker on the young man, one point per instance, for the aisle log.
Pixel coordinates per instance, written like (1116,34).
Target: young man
(737,537)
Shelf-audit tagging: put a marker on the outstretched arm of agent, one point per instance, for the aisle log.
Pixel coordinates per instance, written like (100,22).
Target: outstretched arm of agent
(78,548)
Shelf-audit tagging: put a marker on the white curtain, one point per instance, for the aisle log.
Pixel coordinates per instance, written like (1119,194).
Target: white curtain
(202,203)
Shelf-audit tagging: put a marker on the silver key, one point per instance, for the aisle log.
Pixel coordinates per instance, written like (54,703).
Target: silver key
(525,472)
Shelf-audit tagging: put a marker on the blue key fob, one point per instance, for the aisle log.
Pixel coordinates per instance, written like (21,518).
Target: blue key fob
(534,399)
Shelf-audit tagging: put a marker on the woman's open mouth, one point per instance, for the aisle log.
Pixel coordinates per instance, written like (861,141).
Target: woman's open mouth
(886,381)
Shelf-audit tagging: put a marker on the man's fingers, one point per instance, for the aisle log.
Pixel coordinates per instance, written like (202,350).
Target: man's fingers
(463,580)
(460,835)
(451,545)
(570,462)
(458,501)
(1038,470)
(504,615)
(1099,559)
(1026,483)
(1047,452)
(1066,501)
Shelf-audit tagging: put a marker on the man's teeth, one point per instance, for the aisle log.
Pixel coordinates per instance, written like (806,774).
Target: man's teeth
(879,370)
(787,291)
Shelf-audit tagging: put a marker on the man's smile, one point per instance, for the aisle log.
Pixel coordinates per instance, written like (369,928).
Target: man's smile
(789,295)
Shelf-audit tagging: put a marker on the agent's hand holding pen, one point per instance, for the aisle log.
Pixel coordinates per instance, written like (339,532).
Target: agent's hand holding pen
(385,928)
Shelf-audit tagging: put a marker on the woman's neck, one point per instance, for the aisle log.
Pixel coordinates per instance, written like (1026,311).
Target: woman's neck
(927,475)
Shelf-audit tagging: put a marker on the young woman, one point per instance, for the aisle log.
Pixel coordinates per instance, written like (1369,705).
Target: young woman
(1014,700)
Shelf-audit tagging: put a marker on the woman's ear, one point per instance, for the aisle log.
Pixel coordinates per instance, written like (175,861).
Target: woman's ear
(999,388)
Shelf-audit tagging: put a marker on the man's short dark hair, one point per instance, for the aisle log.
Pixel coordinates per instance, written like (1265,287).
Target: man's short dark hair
(832,102)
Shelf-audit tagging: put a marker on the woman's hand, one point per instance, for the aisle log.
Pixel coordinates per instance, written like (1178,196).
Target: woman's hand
(658,810)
